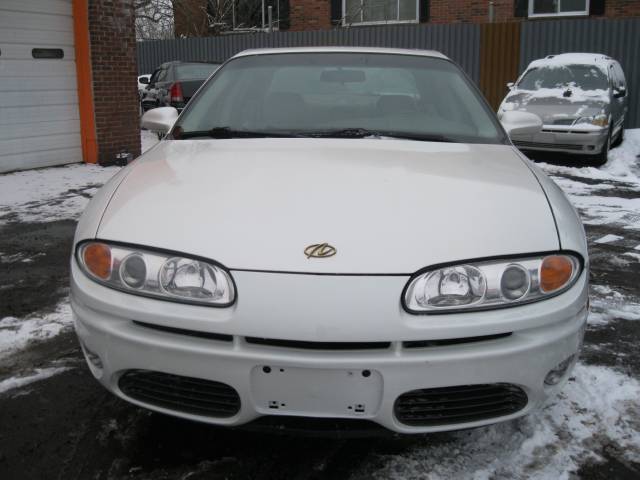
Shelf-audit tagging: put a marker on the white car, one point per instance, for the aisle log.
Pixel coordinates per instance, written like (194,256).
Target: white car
(143,82)
(342,233)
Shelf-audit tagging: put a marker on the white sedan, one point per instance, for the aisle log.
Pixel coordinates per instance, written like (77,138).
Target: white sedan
(342,233)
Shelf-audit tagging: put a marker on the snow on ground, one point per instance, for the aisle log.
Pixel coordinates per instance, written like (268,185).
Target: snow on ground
(621,172)
(598,408)
(50,193)
(608,304)
(22,381)
(609,238)
(623,165)
(17,333)
(55,193)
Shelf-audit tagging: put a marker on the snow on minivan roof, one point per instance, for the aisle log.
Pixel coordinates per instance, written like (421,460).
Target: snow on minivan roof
(565,59)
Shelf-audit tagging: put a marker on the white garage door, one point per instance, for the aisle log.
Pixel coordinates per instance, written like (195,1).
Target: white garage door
(39,119)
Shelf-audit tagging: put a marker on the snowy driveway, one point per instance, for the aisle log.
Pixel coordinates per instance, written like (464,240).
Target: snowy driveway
(57,422)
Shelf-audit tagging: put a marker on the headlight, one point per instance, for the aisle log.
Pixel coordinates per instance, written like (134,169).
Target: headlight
(156,274)
(598,120)
(489,284)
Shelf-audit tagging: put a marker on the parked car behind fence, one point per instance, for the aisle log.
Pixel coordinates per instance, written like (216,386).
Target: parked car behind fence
(173,84)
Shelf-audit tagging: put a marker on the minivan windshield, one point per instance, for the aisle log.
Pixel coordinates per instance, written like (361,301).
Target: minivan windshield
(340,94)
(586,77)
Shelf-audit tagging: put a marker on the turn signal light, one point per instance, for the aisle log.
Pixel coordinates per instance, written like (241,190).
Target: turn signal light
(97,259)
(555,272)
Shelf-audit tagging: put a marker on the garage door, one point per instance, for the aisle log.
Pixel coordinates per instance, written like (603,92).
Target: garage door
(39,119)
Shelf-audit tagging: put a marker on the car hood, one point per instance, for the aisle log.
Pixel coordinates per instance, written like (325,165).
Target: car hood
(387,206)
(553,108)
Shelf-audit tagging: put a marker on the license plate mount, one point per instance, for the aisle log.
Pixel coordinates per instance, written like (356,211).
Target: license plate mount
(282,390)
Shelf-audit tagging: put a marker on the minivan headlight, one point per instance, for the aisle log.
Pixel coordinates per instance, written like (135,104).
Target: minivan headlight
(157,274)
(601,120)
(485,284)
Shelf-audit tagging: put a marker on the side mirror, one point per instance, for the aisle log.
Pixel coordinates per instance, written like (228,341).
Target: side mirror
(619,92)
(159,119)
(521,123)
(510,85)
(144,80)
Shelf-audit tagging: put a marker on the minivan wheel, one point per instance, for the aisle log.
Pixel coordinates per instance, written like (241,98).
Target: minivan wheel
(601,158)
(620,138)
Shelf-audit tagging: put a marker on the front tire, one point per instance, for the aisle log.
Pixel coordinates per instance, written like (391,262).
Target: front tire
(601,158)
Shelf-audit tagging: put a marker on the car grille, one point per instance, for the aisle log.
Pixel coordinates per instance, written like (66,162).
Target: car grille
(318,345)
(460,404)
(554,146)
(564,121)
(181,394)
(311,345)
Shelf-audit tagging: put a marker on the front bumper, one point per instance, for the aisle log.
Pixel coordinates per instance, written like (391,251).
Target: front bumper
(553,138)
(297,381)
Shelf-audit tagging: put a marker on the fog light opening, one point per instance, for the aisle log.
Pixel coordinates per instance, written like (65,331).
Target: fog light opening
(556,375)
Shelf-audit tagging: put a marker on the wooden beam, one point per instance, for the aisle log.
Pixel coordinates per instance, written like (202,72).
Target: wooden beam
(84,80)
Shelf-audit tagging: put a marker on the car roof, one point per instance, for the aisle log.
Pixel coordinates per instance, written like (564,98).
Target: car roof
(392,51)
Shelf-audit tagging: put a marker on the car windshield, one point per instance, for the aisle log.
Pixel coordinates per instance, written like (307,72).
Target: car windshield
(586,77)
(362,94)
(195,71)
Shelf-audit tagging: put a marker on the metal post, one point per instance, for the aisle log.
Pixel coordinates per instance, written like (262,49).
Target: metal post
(262,14)
(233,14)
(492,12)
(270,19)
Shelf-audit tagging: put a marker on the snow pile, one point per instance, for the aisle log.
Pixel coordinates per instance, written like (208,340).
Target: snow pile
(17,333)
(39,374)
(599,408)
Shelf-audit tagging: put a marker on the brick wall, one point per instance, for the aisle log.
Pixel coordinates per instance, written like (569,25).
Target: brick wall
(316,14)
(470,11)
(114,74)
(622,8)
(310,14)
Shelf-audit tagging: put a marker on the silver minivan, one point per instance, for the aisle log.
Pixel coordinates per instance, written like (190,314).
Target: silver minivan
(582,100)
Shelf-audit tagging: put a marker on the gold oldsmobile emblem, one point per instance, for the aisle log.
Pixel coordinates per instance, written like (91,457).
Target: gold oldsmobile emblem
(320,250)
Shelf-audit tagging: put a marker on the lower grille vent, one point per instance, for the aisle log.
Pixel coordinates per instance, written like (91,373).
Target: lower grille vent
(318,345)
(452,341)
(557,146)
(181,394)
(460,404)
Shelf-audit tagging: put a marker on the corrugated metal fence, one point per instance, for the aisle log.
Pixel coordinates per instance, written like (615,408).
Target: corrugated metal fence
(460,42)
(618,38)
(490,53)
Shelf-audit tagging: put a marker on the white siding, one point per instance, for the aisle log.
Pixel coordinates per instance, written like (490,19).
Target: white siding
(39,119)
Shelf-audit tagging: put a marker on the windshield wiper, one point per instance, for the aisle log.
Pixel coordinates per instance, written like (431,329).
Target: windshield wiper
(228,132)
(363,133)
